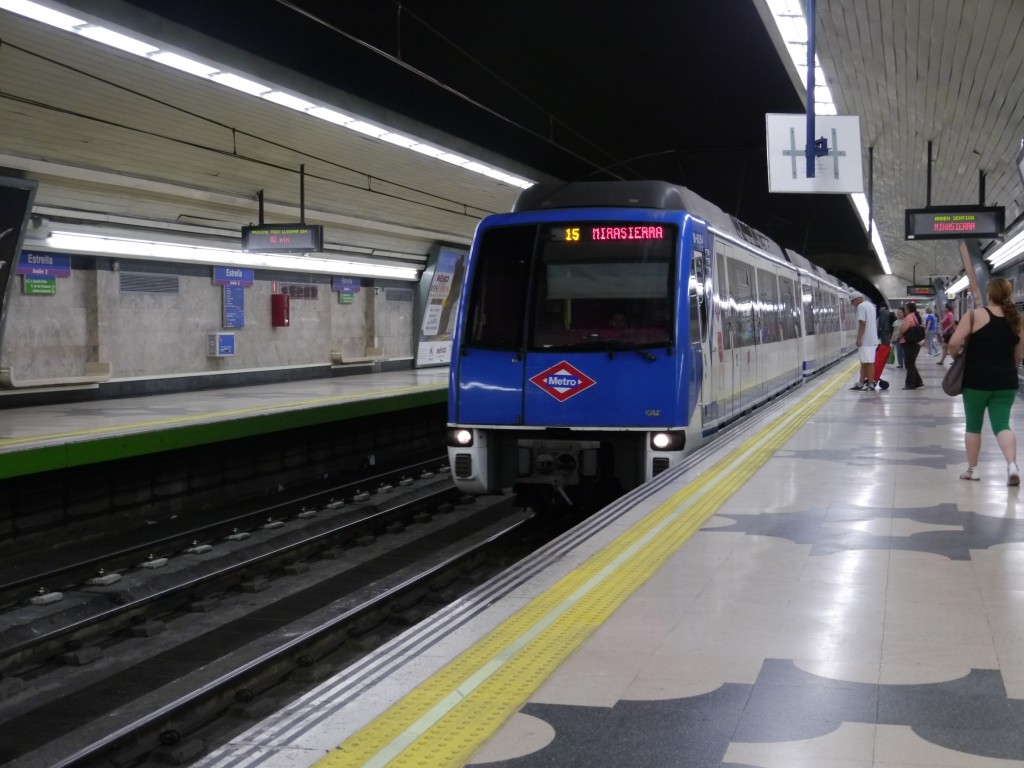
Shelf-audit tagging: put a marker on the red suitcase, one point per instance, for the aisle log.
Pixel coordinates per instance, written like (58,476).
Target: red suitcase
(881,359)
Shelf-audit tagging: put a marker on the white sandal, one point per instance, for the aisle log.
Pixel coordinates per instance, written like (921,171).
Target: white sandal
(973,474)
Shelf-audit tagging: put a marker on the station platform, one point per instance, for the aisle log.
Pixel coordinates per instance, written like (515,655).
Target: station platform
(817,589)
(44,438)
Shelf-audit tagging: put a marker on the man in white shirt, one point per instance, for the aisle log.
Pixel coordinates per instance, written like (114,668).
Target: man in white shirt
(867,342)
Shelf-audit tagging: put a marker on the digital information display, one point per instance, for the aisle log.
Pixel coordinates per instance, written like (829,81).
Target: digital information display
(954,222)
(920,290)
(283,238)
(577,233)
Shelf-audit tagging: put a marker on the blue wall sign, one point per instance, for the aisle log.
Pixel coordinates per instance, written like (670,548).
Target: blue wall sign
(234,306)
(220,344)
(36,264)
(345,284)
(233,276)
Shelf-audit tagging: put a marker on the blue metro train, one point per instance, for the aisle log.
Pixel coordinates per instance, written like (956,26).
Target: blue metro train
(607,328)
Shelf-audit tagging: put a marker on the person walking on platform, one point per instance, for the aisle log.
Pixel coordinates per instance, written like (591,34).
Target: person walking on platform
(911,336)
(867,341)
(884,325)
(897,321)
(947,326)
(931,327)
(995,351)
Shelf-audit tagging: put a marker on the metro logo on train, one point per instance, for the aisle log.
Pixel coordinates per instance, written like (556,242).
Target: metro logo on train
(562,381)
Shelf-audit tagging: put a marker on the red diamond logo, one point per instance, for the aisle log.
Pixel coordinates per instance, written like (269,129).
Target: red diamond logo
(562,381)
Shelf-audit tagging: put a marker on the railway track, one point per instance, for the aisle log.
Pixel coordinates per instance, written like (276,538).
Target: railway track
(149,667)
(69,562)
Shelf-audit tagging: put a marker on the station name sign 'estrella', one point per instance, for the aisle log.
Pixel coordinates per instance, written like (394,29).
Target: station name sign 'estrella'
(283,238)
(954,222)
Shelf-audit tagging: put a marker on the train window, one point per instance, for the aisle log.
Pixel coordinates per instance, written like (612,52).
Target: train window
(770,310)
(498,294)
(741,295)
(604,285)
(790,311)
(698,299)
(807,292)
(723,311)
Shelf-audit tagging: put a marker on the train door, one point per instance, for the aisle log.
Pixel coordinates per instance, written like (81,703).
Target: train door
(718,404)
(699,300)
(769,332)
(489,364)
(820,328)
(807,314)
(789,307)
(744,336)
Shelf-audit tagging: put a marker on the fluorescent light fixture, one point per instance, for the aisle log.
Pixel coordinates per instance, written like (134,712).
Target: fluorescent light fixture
(494,173)
(515,181)
(958,286)
(150,250)
(116,40)
(476,167)
(370,130)
(43,14)
(1011,249)
(153,52)
(398,139)
(426,149)
(287,100)
(182,63)
(860,202)
(331,116)
(240,83)
(789,18)
(451,157)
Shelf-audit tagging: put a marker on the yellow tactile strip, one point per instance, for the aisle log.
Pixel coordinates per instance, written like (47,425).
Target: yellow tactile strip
(449,716)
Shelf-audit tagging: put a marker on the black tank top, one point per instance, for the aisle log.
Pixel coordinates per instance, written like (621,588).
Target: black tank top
(990,364)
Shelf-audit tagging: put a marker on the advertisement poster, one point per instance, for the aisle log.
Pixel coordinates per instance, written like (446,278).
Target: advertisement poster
(16,196)
(440,306)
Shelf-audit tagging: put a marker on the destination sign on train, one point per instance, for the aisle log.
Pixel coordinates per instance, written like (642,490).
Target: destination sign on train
(954,222)
(591,232)
(283,238)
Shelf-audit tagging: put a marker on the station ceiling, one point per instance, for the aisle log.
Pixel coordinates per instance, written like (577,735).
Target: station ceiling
(588,90)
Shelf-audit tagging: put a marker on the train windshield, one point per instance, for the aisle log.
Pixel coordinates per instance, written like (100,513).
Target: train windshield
(593,285)
(603,285)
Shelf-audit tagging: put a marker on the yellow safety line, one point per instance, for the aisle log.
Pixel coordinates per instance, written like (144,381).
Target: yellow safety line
(449,716)
(264,409)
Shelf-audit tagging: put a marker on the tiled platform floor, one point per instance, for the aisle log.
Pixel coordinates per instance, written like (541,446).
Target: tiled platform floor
(855,605)
(34,426)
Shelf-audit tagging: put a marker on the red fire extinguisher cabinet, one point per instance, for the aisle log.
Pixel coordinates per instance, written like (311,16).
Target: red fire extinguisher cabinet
(279,310)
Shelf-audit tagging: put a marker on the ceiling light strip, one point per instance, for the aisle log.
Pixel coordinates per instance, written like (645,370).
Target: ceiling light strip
(152,250)
(51,16)
(789,18)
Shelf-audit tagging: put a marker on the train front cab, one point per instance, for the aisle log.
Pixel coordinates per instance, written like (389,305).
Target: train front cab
(574,367)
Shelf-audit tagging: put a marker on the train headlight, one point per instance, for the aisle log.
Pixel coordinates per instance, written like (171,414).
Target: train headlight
(668,441)
(460,438)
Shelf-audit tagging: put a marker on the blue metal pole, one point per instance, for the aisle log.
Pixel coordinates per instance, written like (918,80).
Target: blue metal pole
(810,89)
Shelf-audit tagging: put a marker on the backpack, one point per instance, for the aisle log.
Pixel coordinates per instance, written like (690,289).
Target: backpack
(914,334)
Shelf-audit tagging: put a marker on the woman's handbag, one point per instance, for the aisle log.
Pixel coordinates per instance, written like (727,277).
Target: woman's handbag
(953,381)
